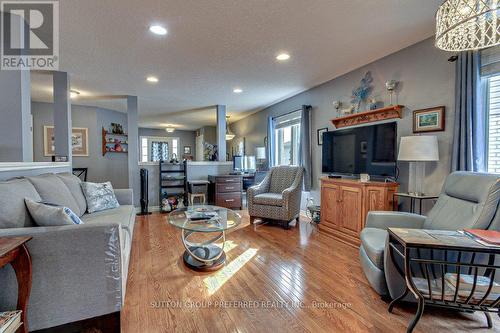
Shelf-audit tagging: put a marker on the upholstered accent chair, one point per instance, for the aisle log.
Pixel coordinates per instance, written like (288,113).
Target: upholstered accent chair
(467,200)
(277,197)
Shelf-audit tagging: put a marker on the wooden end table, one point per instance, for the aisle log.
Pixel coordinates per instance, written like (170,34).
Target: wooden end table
(428,256)
(13,251)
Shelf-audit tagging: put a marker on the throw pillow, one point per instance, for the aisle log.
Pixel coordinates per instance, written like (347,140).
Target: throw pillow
(99,196)
(47,215)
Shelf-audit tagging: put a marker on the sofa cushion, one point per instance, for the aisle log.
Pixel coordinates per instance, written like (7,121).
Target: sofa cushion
(13,211)
(47,215)
(53,190)
(282,178)
(269,199)
(100,196)
(373,242)
(124,215)
(73,184)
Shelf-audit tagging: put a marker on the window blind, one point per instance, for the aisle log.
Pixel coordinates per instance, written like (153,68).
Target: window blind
(490,61)
(288,119)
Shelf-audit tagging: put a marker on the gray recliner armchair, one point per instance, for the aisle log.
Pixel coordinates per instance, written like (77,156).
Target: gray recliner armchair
(467,200)
(278,196)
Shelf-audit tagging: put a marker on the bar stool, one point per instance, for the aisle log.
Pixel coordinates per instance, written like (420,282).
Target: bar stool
(197,189)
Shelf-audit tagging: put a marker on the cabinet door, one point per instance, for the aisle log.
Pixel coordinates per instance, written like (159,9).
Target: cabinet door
(329,205)
(351,210)
(375,199)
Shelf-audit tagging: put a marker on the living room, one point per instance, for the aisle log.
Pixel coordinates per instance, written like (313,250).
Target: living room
(250,166)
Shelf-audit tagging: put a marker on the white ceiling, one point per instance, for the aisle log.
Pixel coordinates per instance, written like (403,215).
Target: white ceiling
(216,45)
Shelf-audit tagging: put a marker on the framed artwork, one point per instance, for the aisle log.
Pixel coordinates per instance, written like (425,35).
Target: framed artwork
(320,135)
(187,150)
(429,120)
(79,141)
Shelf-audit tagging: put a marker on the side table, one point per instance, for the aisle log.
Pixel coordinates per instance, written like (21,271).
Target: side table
(414,198)
(435,262)
(13,251)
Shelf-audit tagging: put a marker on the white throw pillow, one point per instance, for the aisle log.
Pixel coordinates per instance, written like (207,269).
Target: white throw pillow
(47,215)
(99,196)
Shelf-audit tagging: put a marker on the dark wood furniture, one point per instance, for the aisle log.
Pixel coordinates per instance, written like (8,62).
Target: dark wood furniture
(225,191)
(173,181)
(346,202)
(390,112)
(429,255)
(413,200)
(81,173)
(13,251)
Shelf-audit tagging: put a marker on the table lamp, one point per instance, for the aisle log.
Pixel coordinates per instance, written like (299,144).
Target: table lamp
(260,155)
(417,150)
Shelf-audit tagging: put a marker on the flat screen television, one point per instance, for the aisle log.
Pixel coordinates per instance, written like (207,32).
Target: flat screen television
(366,149)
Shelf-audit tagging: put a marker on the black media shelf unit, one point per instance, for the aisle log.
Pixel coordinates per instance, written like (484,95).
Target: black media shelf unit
(173,182)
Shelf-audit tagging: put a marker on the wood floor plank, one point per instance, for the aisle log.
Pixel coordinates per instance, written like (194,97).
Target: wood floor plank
(296,280)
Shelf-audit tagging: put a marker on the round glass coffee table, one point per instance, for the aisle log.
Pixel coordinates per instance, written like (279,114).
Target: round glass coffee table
(204,234)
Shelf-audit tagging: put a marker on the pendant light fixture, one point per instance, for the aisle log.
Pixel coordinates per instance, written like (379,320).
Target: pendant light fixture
(463,25)
(229,135)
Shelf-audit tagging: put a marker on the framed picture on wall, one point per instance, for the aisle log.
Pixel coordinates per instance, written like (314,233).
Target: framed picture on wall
(79,141)
(187,150)
(429,120)
(320,135)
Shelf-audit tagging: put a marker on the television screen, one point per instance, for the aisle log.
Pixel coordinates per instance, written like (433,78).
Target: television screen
(367,149)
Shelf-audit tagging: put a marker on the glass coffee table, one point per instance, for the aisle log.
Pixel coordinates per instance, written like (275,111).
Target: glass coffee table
(204,234)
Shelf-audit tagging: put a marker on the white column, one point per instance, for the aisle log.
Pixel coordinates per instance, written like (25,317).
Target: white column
(221,131)
(133,147)
(62,115)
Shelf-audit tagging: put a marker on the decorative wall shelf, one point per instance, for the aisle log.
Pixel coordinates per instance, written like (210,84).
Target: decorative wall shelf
(390,112)
(111,140)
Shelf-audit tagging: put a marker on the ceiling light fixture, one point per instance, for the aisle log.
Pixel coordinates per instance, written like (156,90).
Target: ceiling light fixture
(158,30)
(74,93)
(170,129)
(463,25)
(282,57)
(152,79)
(237,90)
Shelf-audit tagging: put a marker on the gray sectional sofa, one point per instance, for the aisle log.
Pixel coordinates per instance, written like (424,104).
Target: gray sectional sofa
(79,271)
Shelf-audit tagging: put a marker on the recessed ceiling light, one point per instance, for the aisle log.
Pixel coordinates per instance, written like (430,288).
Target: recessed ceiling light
(74,93)
(237,90)
(283,56)
(158,30)
(152,79)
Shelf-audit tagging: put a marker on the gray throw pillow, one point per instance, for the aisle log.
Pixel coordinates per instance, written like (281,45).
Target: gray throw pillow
(99,196)
(47,215)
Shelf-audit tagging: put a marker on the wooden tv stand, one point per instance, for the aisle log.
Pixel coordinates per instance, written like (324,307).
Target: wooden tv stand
(346,202)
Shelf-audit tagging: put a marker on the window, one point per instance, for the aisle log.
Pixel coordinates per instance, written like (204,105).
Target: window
(287,139)
(154,149)
(493,108)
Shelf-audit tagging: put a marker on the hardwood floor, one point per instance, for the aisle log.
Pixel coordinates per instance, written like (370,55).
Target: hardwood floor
(293,280)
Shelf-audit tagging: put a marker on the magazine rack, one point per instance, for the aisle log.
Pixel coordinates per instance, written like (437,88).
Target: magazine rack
(446,269)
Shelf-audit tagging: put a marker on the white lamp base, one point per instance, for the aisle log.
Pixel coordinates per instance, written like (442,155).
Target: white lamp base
(416,178)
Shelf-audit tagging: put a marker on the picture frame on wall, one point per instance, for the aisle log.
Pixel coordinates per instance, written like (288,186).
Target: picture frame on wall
(320,135)
(187,150)
(429,120)
(79,141)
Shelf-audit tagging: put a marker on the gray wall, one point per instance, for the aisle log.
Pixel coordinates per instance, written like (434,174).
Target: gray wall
(111,167)
(186,138)
(427,80)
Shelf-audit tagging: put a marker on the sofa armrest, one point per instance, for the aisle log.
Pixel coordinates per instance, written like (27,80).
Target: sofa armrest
(386,219)
(124,196)
(77,273)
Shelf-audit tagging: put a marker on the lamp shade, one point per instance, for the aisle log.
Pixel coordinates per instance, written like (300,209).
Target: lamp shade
(418,149)
(260,153)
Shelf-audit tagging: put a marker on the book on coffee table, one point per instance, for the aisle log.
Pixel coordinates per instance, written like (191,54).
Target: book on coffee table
(10,321)
(488,237)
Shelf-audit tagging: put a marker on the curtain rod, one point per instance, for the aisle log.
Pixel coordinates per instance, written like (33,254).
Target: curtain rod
(290,112)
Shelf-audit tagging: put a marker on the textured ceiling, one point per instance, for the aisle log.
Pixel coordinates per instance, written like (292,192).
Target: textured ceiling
(216,45)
